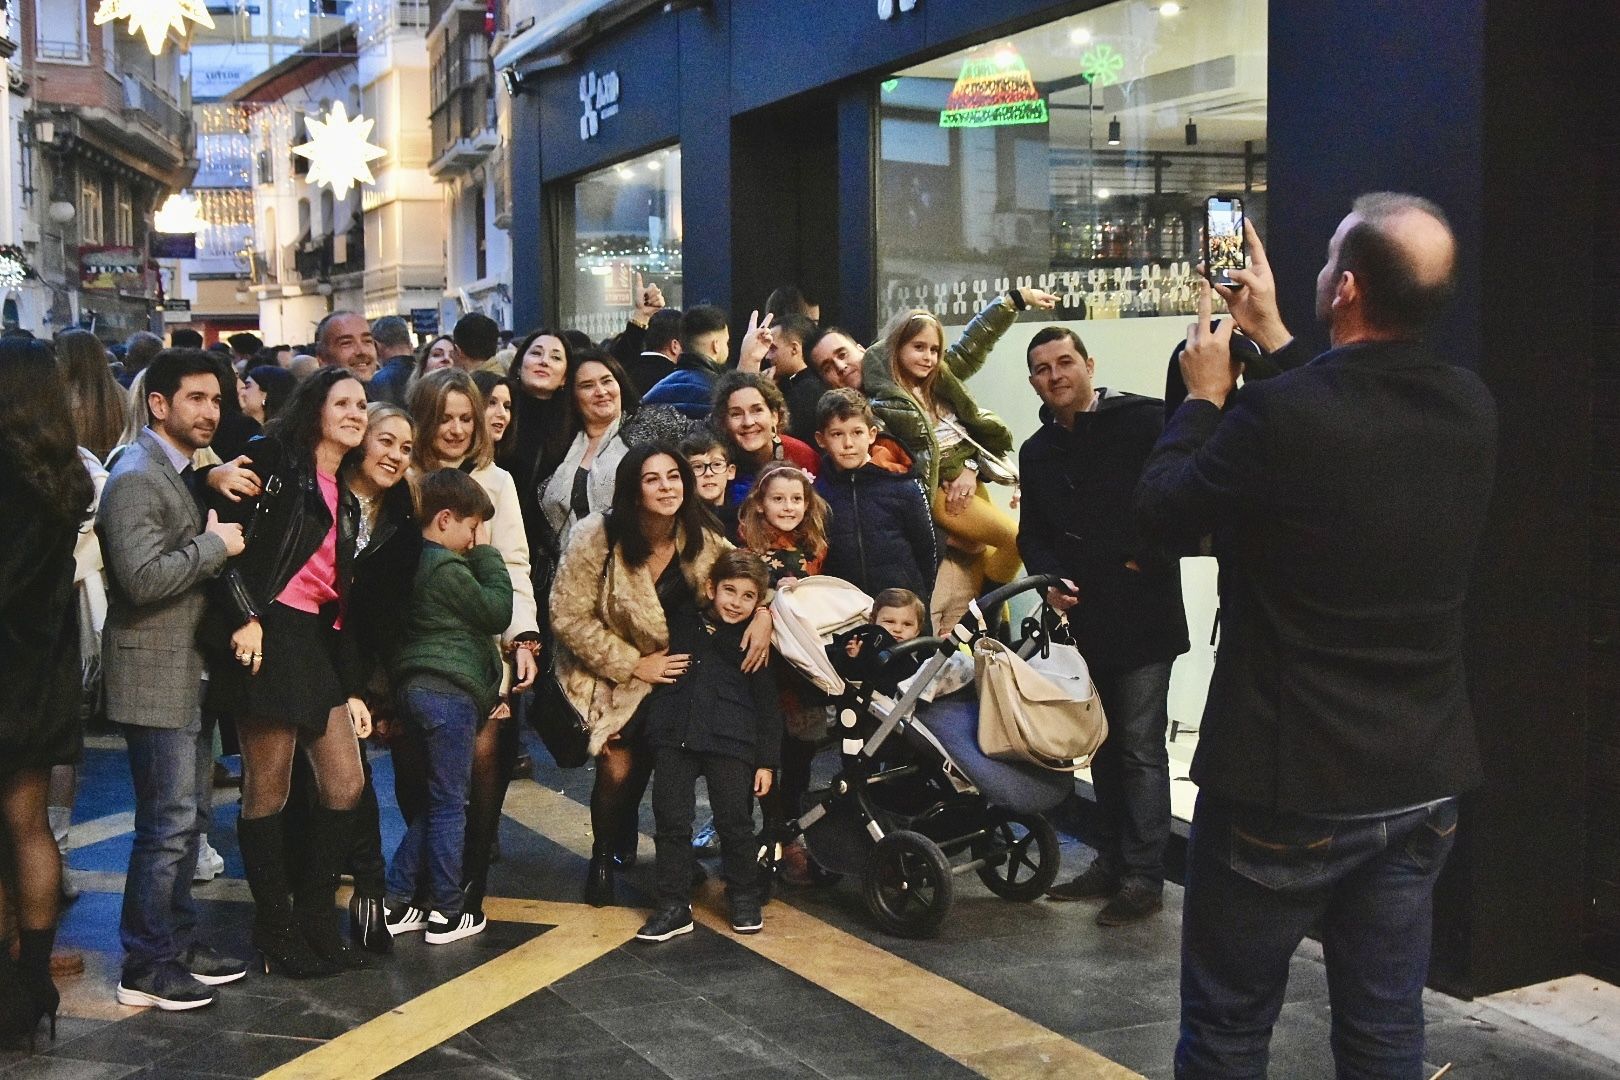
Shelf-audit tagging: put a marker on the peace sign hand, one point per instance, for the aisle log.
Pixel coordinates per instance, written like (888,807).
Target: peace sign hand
(756,343)
(1206,362)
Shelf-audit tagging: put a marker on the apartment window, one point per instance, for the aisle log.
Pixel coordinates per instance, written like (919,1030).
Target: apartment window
(62,31)
(480,249)
(123,215)
(92,223)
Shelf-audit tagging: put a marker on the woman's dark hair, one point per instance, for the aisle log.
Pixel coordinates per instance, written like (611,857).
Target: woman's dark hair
(487,381)
(730,383)
(298,426)
(577,340)
(38,449)
(542,428)
(629,399)
(229,403)
(277,384)
(788,300)
(624,517)
(96,402)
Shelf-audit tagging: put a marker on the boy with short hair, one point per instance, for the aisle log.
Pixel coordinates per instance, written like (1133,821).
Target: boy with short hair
(881,533)
(713,472)
(448,673)
(722,724)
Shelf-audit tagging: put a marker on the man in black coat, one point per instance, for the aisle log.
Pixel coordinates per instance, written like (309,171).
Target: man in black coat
(1079,476)
(1346,498)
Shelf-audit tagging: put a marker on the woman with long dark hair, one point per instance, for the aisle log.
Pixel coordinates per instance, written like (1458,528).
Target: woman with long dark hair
(47,493)
(282,677)
(583,483)
(96,402)
(542,428)
(623,576)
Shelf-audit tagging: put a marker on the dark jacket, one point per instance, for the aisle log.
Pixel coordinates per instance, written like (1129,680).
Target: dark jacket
(880,534)
(236,430)
(1347,498)
(459,605)
(690,387)
(647,370)
(284,526)
(389,382)
(716,707)
(39,635)
(379,596)
(803,392)
(1076,521)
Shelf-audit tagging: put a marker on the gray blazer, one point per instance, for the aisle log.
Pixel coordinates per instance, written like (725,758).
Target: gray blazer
(158,561)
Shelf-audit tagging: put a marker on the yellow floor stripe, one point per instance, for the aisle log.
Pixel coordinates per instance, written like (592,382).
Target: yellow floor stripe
(451,1008)
(989,1039)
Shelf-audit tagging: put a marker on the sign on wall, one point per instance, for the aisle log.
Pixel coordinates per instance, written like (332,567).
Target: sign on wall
(600,97)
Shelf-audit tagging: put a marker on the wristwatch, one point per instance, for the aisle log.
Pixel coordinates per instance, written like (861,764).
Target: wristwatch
(1017,299)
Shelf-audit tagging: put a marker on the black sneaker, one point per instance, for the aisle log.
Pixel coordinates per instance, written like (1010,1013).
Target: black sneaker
(746,917)
(1096,883)
(169,988)
(403,918)
(442,930)
(211,968)
(1135,901)
(667,922)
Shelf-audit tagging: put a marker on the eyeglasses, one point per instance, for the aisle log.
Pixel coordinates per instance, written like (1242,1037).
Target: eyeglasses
(709,468)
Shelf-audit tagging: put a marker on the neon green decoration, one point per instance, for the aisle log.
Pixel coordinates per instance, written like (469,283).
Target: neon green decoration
(995,89)
(889,85)
(1101,65)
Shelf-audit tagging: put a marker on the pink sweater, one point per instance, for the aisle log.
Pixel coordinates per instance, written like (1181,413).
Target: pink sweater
(315,584)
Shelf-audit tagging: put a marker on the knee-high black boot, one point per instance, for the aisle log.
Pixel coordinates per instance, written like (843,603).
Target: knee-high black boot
(315,891)
(366,926)
(34,964)
(281,947)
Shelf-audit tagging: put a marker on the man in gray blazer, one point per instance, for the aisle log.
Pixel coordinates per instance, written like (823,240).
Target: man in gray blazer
(160,551)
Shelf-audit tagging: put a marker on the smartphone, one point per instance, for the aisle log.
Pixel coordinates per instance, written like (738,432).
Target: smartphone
(1224,250)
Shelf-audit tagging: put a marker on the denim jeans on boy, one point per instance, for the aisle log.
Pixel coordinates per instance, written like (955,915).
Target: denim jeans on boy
(1131,772)
(431,851)
(172,770)
(1257,882)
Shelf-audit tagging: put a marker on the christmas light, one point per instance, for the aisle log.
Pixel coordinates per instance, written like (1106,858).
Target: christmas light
(13,267)
(992,91)
(178,215)
(338,152)
(155,18)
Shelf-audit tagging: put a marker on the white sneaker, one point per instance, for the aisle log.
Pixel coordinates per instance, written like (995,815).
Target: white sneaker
(441,931)
(404,920)
(210,863)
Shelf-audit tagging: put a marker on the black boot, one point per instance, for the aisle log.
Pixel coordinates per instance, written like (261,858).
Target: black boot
(315,891)
(34,964)
(281,947)
(599,880)
(367,929)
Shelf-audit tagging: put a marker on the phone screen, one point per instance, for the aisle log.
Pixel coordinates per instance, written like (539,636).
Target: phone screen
(1223,238)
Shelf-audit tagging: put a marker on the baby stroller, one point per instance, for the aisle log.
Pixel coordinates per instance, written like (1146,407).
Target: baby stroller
(916,802)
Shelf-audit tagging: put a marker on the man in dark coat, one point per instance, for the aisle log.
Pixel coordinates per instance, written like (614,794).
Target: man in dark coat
(1346,498)
(1079,474)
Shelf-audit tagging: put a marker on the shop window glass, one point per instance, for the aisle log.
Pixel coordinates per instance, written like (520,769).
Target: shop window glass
(626,220)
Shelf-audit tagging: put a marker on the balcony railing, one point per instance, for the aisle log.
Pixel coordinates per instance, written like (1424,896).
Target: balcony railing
(264,269)
(150,106)
(464,115)
(316,259)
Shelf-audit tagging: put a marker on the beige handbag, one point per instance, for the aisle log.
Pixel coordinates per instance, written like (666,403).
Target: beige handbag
(1044,710)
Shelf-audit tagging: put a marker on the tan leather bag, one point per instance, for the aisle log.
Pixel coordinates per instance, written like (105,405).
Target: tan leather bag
(1044,710)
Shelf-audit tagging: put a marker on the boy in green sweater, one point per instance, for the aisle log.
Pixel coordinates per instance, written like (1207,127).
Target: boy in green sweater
(448,675)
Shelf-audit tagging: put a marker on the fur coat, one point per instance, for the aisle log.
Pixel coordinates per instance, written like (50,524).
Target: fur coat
(605,617)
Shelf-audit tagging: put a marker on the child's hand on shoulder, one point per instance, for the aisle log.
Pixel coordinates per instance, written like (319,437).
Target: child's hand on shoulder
(762,782)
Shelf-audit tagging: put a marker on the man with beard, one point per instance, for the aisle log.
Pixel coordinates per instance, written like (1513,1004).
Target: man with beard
(160,551)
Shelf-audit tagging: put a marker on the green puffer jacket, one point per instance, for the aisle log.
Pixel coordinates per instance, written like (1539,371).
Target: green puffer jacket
(903,416)
(459,607)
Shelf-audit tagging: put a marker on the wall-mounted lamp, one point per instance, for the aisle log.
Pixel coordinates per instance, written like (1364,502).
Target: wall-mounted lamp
(1113,132)
(1192,132)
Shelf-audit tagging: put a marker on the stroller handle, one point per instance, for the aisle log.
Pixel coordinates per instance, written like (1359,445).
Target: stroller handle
(921,645)
(989,605)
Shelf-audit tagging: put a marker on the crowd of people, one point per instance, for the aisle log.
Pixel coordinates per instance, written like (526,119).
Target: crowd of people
(298,552)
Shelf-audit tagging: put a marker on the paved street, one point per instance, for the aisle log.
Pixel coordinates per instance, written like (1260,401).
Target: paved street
(555,988)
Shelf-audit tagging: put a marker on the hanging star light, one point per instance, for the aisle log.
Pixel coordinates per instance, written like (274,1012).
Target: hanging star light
(14,268)
(338,151)
(155,18)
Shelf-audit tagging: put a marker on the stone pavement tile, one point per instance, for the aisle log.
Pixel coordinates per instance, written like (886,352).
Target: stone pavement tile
(1492,1052)
(621,961)
(796,1071)
(37,1067)
(236,1053)
(812,1037)
(140,1040)
(620,991)
(526,1037)
(455,1052)
(614,1062)
(788,1004)
(313,1018)
(639,1027)
(694,1057)
(914,1062)
(1063,1000)
(1148,1048)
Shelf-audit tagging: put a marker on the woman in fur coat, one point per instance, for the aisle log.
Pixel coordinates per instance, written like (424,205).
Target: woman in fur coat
(623,576)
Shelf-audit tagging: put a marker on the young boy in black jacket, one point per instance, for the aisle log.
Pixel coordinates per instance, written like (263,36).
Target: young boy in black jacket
(881,534)
(724,725)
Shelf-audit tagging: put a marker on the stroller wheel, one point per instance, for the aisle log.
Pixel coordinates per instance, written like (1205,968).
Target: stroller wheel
(1023,856)
(908,884)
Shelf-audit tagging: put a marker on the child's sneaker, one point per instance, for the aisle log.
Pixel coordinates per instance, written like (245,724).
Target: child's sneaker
(403,919)
(666,922)
(746,917)
(442,930)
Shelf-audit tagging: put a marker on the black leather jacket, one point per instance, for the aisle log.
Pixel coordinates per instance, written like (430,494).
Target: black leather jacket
(284,527)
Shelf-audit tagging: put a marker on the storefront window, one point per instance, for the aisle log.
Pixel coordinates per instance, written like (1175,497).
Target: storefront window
(1074,157)
(626,220)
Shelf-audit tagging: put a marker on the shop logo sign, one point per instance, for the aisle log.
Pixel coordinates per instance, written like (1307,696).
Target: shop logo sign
(600,97)
(887,9)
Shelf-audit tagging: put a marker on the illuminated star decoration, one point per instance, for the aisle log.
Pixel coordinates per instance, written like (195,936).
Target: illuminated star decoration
(155,18)
(338,151)
(14,269)
(1101,66)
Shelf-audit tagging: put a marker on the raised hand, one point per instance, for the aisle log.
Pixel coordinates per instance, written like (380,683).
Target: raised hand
(756,343)
(649,300)
(1206,362)
(1038,299)
(228,531)
(1252,298)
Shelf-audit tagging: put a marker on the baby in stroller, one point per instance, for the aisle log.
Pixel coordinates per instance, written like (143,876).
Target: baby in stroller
(916,802)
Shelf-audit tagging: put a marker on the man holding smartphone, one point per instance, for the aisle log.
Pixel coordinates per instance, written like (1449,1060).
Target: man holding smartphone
(1347,497)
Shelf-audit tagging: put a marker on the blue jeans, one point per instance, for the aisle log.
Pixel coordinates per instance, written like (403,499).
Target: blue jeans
(431,851)
(1257,882)
(172,770)
(1131,772)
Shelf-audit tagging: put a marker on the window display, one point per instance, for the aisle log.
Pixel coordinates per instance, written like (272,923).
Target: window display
(626,221)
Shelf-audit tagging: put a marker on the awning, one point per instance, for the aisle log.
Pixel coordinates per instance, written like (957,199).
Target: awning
(570,24)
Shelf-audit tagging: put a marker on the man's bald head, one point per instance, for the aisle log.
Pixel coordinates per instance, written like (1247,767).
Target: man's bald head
(1403,258)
